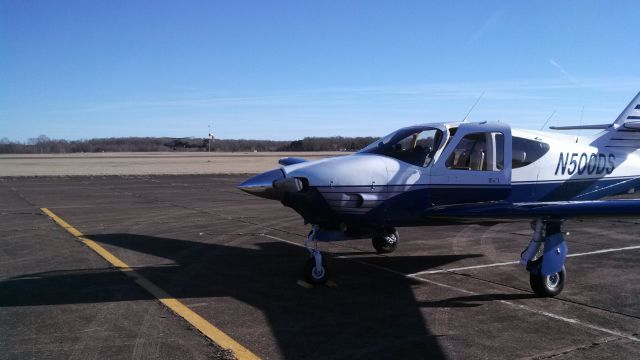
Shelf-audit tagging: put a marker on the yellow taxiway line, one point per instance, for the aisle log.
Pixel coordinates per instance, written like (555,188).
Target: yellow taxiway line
(205,327)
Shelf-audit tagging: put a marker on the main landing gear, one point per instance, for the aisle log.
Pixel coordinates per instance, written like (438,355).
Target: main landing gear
(547,274)
(386,242)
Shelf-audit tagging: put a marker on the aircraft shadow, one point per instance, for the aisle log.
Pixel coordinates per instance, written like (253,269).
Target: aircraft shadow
(474,300)
(370,313)
(411,264)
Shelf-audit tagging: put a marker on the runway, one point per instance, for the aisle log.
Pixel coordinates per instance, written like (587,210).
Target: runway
(235,261)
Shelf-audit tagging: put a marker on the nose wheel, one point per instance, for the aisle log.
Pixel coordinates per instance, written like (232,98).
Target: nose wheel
(314,274)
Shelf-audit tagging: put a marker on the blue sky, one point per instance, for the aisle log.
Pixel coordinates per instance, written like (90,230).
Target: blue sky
(290,69)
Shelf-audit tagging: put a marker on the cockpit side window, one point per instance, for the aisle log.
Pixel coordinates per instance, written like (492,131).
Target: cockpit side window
(415,146)
(527,151)
(478,151)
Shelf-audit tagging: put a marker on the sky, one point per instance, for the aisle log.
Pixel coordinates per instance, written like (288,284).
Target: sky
(285,70)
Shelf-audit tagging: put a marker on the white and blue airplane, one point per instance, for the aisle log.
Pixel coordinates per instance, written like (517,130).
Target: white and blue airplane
(464,172)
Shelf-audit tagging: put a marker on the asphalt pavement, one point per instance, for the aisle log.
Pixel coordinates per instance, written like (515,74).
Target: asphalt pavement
(236,261)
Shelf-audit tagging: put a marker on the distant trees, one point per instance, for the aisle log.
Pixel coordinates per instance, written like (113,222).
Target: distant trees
(45,145)
(336,143)
(229,145)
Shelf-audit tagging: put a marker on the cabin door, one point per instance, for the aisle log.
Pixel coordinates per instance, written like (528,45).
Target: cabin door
(475,166)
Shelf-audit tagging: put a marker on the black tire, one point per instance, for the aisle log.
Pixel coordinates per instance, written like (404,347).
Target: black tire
(312,276)
(386,243)
(550,285)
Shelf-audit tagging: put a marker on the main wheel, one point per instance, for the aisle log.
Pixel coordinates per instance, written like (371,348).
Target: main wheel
(550,285)
(386,243)
(313,275)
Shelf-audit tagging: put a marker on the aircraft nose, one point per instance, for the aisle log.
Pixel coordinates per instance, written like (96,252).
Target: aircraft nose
(262,184)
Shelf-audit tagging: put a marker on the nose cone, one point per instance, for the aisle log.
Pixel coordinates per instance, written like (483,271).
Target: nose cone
(262,184)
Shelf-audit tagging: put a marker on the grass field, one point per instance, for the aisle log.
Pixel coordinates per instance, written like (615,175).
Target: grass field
(146,163)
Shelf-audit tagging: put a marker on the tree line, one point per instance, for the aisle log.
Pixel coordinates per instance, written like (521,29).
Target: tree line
(45,145)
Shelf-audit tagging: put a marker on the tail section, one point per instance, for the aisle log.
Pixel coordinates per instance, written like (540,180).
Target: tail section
(629,119)
(624,134)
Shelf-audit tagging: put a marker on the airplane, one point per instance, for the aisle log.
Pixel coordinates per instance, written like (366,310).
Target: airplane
(464,172)
(187,142)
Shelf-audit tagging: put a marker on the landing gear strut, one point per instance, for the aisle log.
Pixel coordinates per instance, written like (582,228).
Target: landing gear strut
(547,274)
(386,242)
(315,269)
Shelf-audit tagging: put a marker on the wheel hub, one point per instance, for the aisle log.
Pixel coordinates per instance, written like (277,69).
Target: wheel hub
(390,239)
(553,280)
(317,273)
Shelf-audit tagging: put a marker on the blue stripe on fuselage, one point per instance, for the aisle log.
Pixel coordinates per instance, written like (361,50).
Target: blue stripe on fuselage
(404,204)
(573,189)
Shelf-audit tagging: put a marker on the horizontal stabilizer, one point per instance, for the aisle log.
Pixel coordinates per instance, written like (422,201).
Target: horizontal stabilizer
(581,127)
(635,125)
(290,161)
(628,118)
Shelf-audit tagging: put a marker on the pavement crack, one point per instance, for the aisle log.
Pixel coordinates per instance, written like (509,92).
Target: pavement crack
(18,194)
(575,349)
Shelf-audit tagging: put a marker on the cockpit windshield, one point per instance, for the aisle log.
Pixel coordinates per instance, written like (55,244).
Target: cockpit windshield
(414,145)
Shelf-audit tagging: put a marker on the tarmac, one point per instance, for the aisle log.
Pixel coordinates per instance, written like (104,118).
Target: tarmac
(235,260)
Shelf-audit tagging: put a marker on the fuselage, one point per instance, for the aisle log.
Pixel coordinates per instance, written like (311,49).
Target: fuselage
(394,180)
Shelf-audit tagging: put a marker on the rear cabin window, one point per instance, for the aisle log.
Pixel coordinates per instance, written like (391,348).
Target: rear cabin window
(526,151)
(479,152)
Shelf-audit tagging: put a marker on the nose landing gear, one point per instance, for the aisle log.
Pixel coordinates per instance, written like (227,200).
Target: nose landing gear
(315,269)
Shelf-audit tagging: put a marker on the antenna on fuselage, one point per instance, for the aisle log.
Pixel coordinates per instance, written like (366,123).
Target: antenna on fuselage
(581,116)
(549,118)
(473,107)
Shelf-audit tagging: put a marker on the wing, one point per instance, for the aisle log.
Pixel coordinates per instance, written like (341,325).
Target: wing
(561,209)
